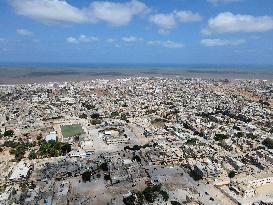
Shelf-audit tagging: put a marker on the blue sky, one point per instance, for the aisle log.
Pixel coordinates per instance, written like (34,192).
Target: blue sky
(123,31)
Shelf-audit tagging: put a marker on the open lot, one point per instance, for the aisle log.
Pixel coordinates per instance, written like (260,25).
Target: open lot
(71,130)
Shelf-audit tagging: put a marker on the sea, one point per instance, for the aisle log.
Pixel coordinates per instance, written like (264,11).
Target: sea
(20,73)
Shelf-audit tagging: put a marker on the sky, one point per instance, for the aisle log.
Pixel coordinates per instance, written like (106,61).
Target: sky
(137,32)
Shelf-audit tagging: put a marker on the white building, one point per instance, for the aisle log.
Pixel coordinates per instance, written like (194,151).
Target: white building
(246,186)
(113,137)
(51,136)
(77,153)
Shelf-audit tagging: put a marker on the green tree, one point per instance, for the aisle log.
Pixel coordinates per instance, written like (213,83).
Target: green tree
(32,155)
(130,200)
(95,121)
(53,148)
(19,151)
(39,137)
(231,174)
(86,176)
(95,115)
(107,177)
(165,195)
(151,193)
(136,147)
(9,133)
(104,166)
(65,148)
(219,137)
(10,144)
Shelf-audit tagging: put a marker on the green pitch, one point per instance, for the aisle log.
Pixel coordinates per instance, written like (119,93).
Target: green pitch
(71,130)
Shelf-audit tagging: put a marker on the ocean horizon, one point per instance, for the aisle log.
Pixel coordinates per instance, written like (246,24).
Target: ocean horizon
(140,66)
(18,73)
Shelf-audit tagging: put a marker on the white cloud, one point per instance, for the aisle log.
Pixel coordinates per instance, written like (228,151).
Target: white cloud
(49,11)
(71,40)
(82,39)
(131,39)
(172,44)
(166,44)
(222,1)
(117,14)
(87,39)
(154,43)
(187,16)
(228,22)
(166,22)
(24,32)
(221,42)
(111,40)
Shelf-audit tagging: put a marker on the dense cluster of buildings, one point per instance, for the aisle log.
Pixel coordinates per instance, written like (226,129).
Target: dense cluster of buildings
(104,141)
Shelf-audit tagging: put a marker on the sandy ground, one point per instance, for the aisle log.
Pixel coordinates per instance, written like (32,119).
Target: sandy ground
(93,192)
(138,132)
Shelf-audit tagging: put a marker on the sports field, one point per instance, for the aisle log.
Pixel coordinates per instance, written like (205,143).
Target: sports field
(71,130)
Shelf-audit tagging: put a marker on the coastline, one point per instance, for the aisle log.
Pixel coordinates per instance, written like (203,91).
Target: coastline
(43,75)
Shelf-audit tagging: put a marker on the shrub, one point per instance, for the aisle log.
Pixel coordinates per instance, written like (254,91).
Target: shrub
(104,166)
(39,137)
(231,174)
(219,137)
(19,151)
(86,176)
(107,177)
(32,155)
(9,133)
(95,121)
(165,195)
(10,144)
(151,193)
(95,115)
(130,200)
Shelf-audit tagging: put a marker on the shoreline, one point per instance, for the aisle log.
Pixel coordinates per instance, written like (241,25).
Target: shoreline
(31,75)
